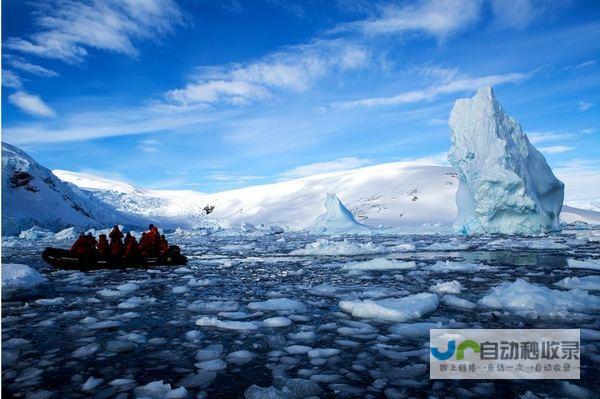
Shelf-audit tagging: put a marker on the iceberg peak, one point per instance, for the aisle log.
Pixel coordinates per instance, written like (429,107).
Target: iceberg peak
(505,184)
(337,218)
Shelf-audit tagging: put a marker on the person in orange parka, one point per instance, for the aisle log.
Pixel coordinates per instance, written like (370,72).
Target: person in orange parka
(154,237)
(116,244)
(164,246)
(79,248)
(132,249)
(145,245)
(102,246)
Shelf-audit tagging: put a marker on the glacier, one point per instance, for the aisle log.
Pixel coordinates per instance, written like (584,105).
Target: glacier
(505,184)
(337,218)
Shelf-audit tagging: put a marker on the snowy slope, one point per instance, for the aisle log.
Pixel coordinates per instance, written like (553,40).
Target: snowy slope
(392,195)
(33,195)
(398,195)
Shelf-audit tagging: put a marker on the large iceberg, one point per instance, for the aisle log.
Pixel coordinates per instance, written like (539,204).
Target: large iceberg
(505,184)
(337,218)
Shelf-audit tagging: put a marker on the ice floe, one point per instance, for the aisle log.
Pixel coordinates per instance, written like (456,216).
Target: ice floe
(277,304)
(379,264)
(16,277)
(392,309)
(447,287)
(537,300)
(324,247)
(591,283)
(226,324)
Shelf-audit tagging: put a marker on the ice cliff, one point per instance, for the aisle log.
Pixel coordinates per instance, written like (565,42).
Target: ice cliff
(337,218)
(505,184)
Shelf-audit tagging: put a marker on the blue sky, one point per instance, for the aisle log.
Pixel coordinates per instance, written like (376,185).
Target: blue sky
(210,95)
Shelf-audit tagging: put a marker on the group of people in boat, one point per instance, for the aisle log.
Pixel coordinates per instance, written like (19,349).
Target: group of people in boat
(121,247)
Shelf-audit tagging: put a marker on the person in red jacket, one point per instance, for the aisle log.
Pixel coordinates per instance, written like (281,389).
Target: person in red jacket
(154,240)
(79,248)
(102,246)
(116,245)
(132,250)
(164,246)
(144,245)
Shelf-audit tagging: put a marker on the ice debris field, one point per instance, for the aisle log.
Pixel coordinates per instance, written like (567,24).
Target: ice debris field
(268,314)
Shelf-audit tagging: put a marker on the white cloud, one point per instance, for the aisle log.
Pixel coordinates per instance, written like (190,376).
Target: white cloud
(232,178)
(31,104)
(150,146)
(335,165)
(296,68)
(437,122)
(436,159)
(544,137)
(66,29)
(585,105)
(578,174)
(556,149)
(433,91)
(11,79)
(516,14)
(438,18)
(585,64)
(31,68)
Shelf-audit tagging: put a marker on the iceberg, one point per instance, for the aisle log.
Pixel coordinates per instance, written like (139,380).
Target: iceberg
(17,277)
(505,184)
(337,218)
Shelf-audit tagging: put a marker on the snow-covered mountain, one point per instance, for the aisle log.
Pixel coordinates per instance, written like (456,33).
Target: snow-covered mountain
(33,195)
(393,195)
(403,195)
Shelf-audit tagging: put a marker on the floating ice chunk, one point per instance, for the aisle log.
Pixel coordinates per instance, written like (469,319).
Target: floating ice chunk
(240,357)
(525,243)
(202,379)
(452,245)
(414,330)
(160,390)
(226,324)
(379,264)
(276,322)
(180,289)
(297,349)
(337,218)
(91,383)
(135,337)
(448,267)
(357,329)
(122,383)
(109,293)
(277,304)
(212,365)
(120,346)
(213,306)
(135,301)
(210,352)
(448,287)
(51,301)
(591,283)
(85,351)
(128,287)
(17,277)
(323,352)
(35,233)
(199,282)
(307,336)
(182,270)
(584,264)
(323,247)
(538,300)
(298,387)
(67,234)
(456,302)
(194,335)
(404,247)
(393,309)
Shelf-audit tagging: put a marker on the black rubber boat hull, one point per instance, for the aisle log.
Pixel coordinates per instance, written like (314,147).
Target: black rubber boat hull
(62,259)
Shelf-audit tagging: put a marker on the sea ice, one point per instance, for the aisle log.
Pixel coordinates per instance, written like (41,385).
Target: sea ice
(277,304)
(448,287)
(276,322)
(584,264)
(160,390)
(393,309)
(591,283)
(226,324)
(538,300)
(91,383)
(324,247)
(448,267)
(379,264)
(456,302)
(414,330)
(17,277)
(240,357)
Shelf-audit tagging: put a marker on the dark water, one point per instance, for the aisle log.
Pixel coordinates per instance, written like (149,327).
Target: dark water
(148,338)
